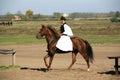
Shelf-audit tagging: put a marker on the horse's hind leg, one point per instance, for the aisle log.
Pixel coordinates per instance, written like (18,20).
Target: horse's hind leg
(87,60)
(88,64)
(73,60)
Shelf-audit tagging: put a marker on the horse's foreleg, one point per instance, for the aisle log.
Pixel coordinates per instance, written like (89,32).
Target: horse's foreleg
(50,62)
(45,57)
(73,60)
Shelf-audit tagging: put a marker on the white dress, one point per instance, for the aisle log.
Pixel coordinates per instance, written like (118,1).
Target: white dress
(65,43)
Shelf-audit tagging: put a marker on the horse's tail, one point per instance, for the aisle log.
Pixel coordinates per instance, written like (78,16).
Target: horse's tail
(89,52)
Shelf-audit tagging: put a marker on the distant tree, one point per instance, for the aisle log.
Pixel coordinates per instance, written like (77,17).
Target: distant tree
(117,14)
(37,16)
(29,14)
(99,15)
(57,15)
(9,16)
(2,17)
(19,13)
(111,14)
(82,15)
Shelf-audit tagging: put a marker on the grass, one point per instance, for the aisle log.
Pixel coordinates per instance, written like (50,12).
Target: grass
(94,39)
(94,31)
(102,39)
(8,67)
(26,39)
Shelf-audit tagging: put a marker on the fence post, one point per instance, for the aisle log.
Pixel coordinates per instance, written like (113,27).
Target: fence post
(13,59)
(5,52)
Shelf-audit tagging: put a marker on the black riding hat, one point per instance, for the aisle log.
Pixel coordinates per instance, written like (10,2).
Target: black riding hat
(62,18)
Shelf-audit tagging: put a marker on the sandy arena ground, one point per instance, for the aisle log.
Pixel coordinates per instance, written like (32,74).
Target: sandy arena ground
(30,58)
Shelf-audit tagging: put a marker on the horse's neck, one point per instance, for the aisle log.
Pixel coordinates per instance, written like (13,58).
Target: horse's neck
(50,38)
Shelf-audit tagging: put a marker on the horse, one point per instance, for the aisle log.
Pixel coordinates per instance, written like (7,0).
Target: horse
(79,45)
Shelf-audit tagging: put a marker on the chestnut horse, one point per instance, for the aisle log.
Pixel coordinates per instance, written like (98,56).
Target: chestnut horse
(79,45)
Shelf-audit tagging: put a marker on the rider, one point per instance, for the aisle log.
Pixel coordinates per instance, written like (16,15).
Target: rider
(65,43)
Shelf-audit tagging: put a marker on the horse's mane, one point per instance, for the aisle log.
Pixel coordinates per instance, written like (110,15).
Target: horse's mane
(54,32)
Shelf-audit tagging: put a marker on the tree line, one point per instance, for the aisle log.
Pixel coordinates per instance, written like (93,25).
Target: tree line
(29,15)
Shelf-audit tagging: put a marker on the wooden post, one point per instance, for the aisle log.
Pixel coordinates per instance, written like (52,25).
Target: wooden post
(5,52)
(13,59)
(116,66)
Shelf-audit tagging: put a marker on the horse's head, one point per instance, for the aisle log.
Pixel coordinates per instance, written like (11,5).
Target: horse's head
(41,33)
(49,33)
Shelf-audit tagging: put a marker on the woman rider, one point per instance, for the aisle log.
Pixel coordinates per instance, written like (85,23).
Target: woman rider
(65,43)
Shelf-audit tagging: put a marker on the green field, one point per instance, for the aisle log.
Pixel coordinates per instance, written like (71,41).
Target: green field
(8,67)
(94,31)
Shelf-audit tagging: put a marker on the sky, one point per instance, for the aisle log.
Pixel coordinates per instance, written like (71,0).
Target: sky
(48,7)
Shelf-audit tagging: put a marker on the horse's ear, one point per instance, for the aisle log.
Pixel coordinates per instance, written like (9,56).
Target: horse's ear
(43,25)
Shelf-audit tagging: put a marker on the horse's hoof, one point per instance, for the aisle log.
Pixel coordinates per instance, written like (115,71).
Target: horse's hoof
(49,69)
(69,68)
(88,69)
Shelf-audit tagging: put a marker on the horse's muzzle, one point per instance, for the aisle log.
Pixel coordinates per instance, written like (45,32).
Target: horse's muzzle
(37,37)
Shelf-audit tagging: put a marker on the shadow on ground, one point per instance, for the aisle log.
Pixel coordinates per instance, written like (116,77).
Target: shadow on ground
(108,72)
(45,69)
(37,69)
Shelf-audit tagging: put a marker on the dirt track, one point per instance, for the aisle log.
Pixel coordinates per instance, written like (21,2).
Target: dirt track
(30,58)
